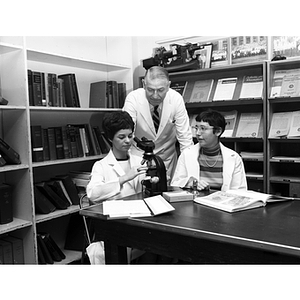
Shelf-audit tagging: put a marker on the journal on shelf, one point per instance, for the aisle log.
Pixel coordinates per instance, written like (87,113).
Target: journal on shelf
(230,119)
(225,89)
(123,209)
(238,200)
(249,124)
(252,87)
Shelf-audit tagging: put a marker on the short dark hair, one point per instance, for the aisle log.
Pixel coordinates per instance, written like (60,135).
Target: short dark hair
(157,72)
(115,121)
(213,118)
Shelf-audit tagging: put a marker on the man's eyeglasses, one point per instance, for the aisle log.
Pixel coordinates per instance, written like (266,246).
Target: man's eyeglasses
(202,128)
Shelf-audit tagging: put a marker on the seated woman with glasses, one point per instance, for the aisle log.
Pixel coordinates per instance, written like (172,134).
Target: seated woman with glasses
(209,162)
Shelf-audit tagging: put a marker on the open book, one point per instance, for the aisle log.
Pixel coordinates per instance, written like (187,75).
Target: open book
(237,200)
(123,209)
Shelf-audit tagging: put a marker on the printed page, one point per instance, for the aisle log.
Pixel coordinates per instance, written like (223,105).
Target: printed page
(248,125)
(230,201)
(295,125)
(280,124)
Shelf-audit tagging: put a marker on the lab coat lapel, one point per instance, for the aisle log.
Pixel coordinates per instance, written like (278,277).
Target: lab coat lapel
(146,115)
(117,168)
(114,163)
(165,113)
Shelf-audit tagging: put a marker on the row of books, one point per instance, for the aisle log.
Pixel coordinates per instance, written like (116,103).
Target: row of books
(11,250)
(70,141)
(285,125)
(59,192)
(201,90)
(286,83)
(48,250)
(242,125)
(8,155)
(107,94)
(50,89)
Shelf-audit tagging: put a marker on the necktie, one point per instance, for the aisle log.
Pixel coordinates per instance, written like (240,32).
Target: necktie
(155,117)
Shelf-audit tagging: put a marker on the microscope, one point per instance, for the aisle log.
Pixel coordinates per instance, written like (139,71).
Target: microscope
(156,168)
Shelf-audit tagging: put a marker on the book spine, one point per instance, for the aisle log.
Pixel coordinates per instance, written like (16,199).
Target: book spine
(68,90)
(37,88)
(71,134)
(6,206)
(50,88)
(51,141)
(65,142)
(41,203)
(75,91)
(121,93)
(59,143)
(44,87)
(79,145)
(98,95)
(30,88)
(9,154)
(37,143)
(44,250)
(55,90)
(70,188)
(46,152)
(17,249)
(7,252)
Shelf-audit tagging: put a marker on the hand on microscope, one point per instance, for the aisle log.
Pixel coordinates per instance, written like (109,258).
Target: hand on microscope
(132,173)
(201,184)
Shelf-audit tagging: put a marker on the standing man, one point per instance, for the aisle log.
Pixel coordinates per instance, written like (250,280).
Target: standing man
(159,115)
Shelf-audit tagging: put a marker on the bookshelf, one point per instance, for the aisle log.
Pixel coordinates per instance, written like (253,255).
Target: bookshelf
(283,171)
(254,166)
(91,60)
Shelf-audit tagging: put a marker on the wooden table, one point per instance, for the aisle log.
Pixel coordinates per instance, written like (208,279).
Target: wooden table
(198,234)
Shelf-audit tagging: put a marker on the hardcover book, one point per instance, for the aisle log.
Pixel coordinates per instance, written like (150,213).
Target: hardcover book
(51,142)
(46,151)
(37,143)
(71,90)
(178,196)
(59,143)
(201,90)
(7,252)
(6,204)
(98,94)
(52,196)
(122,93)
(45,254)
(37,88)
(70,188)
(59,190)
(55,252)
(30,88)
(238,200)
(41,203)
(225,89)
(252,87)
(17,249)
(112,94)
(8,153)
